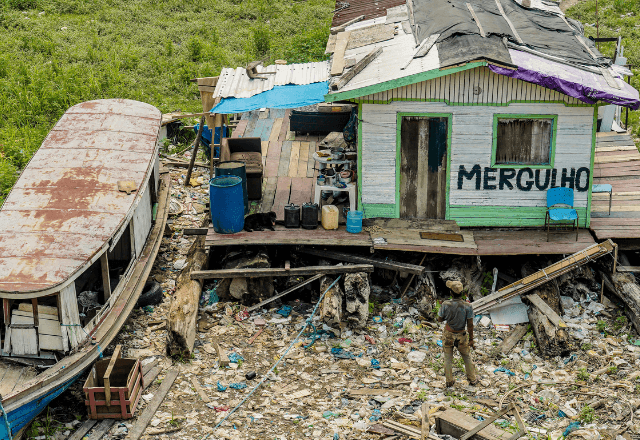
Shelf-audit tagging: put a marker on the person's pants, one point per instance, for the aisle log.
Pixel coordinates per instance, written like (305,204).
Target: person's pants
(448,342)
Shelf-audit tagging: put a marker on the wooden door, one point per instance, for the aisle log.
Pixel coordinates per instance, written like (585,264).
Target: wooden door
(423,167)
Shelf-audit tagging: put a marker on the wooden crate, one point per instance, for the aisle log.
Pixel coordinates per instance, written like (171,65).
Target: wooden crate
(113,388)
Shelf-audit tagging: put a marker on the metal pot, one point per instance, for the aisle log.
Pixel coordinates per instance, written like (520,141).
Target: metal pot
(337,155)
(329,180)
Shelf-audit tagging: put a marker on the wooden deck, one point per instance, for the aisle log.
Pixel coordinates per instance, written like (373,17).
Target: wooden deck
(617,162)
(289,174)
(289,177)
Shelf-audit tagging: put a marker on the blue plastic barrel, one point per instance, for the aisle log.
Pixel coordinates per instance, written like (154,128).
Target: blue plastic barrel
(226,204)
(235,168)
(354,222)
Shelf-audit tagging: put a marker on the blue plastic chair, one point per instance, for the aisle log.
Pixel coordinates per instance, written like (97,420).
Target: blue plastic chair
(560,209)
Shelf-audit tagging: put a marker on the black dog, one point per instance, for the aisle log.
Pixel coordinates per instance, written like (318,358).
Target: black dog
(257,222)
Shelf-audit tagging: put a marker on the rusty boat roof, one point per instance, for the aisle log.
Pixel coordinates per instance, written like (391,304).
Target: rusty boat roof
(65,207)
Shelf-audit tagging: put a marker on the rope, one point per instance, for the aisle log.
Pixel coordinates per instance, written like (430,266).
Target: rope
(307,322)
(78,325)
(313,336)
(6,420)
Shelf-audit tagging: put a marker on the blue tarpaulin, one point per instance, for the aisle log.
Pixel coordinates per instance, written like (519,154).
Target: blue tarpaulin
(289,96)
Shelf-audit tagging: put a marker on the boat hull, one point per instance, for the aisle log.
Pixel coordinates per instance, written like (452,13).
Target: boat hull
(20,417)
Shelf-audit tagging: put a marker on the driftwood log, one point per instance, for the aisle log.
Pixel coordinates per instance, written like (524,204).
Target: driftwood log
(624,286)
(331,310)
(183,311)
(356,294)
(552,341)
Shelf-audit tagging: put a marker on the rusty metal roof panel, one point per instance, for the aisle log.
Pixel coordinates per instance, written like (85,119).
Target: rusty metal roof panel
(369,8)
(235,83)
(65,207)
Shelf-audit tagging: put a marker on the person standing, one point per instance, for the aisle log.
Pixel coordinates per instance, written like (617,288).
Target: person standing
(457,314)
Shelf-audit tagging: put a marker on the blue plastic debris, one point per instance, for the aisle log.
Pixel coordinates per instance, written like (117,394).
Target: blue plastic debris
(329,414)
(221,387)
(571,358)
(504,370)
(336,436)
(526,376)
(377,415)
(377,319)
(238,386)
(479,418)
(572,427)
(561,413)
(342,354)
(375,364)
(439,342)
(284,311)
(235,357)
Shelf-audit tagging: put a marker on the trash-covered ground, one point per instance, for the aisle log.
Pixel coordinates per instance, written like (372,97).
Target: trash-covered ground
(341,383)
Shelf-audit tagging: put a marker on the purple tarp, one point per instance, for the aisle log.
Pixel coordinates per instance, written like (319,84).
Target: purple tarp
(586,86)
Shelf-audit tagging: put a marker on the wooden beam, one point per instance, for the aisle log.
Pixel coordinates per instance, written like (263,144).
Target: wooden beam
(279,295)
(338,63)
(350,258)
(546,310)
(107,374)
(343,26)
(512,339)
(360,65)
(195,231)
(475,17)
(511,26)
(148,413)
(628,269)
(106,282)
(198,388)
(83,429)
(100,430)
(278,272)
(480,426)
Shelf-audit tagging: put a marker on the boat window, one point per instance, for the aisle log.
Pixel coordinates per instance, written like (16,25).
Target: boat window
(120,258)
(90,292)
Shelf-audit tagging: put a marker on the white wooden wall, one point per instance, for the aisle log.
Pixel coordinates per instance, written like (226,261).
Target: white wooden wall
(479,86)
(142,219)
(471,143)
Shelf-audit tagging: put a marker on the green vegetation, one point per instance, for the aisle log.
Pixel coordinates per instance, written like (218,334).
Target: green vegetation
(619,323)
(616,18)
(583,375)
(421,395)
(586,347)
(587,414)
(57,53)
(612,369)
(487,283)
(601,326)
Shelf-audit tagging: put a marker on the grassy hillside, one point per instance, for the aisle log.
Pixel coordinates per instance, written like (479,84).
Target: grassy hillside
(56,53)
(616,18)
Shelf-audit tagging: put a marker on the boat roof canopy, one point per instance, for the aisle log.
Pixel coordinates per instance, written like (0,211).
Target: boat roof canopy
(65,207)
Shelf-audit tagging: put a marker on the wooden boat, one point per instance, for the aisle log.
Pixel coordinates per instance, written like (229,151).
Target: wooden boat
(76,249)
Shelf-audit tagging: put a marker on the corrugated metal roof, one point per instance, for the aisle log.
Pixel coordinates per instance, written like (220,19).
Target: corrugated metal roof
(369,8)
(66,205)
(237,84)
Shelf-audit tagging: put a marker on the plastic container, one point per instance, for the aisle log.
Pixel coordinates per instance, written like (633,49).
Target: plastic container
(330,217)
(310,216)
(292,216)
(354,222)
(235,168)
(226,204)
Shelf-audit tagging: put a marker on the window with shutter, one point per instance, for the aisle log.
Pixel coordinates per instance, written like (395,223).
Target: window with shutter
(524,141)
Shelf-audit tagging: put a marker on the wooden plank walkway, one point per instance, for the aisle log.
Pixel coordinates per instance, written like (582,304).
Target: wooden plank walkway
(289,173)
(617,162)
